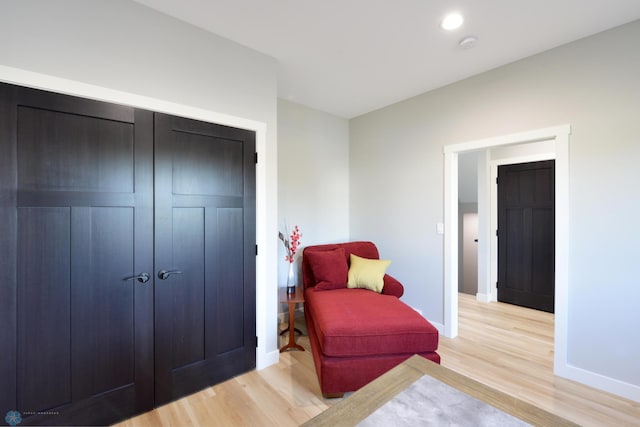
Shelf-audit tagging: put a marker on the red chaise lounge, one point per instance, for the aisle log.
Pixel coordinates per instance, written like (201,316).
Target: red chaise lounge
(357,335)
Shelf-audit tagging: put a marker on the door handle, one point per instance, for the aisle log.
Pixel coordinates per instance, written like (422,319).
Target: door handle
(142,277)
(164,274)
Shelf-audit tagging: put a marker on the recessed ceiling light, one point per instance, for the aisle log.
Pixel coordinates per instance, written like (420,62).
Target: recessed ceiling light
(452,21)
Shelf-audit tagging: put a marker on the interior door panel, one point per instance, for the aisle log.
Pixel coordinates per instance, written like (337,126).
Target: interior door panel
(205,210)
(526,235)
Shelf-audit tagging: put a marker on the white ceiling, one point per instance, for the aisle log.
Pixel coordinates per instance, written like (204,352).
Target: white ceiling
(349,57)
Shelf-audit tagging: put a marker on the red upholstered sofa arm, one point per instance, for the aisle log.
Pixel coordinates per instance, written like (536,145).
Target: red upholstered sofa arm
(392,286)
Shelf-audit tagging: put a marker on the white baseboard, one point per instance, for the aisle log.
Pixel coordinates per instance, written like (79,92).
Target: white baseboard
(601,382)
(483,297)
(438,326)
(264,360)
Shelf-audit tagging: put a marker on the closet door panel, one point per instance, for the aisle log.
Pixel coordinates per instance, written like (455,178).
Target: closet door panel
(81,154)
(188,308)
(78,199)
(103,312)
(205,229)
(44,307)
(228,333)
(203,166)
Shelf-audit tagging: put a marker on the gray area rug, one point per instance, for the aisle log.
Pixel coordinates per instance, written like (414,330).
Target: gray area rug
(429,402)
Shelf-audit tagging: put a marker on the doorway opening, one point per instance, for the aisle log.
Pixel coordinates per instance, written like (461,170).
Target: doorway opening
(559,137)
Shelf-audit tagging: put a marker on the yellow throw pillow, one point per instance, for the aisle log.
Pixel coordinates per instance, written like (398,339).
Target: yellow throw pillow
(367,273)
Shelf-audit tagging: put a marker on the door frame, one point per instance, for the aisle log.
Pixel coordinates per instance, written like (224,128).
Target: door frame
(560,136)
(266,182)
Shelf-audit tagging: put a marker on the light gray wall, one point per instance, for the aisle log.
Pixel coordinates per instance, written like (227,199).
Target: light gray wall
(466,283)
(313,177)
(591,84)
(468,176)
(123,46)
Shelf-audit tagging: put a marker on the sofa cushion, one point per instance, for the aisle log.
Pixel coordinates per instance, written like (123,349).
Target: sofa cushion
(367,273)
(362,249)
(329,268)
(358,322)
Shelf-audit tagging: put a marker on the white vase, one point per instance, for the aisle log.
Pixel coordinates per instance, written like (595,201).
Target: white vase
(291,280)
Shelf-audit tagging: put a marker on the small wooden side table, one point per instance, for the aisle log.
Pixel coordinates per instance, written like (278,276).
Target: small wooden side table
(291,300)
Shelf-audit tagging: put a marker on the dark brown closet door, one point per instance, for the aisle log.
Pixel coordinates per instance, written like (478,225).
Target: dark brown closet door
(526,234)
(76,212)
(204,256)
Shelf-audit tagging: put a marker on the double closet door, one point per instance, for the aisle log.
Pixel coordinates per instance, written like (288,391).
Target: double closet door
(127,257)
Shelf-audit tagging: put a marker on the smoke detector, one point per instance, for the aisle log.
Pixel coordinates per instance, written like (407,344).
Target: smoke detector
(468,42)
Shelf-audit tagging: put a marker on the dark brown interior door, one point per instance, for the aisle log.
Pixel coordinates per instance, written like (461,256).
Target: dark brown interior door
(526,234)
(76,221)
(205,254)
(94,329)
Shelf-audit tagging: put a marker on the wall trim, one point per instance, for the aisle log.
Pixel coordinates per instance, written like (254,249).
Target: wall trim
(483,297)
(601,382)
(266,314)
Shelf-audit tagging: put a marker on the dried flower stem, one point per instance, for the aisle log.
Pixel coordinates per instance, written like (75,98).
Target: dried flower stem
(291,243)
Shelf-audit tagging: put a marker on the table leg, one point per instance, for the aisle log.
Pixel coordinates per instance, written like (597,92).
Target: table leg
(296,330)
(292,330)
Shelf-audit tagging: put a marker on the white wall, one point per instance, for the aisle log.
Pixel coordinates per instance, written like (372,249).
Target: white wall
(123,52)
(313,177)
(593,85)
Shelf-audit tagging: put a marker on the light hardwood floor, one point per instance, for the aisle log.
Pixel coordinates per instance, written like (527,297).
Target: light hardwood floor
(511,349)
(503,346)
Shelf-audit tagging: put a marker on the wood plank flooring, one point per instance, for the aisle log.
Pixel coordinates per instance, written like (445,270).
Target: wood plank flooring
(504,346)
(511,349)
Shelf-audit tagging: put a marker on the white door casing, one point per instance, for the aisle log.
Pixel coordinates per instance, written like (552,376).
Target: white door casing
(560,136)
